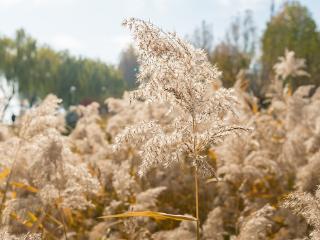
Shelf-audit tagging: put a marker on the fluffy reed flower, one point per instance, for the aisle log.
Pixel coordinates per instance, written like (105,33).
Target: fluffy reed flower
(185,231)
(213,226)
(88,136)
(307,205)
(258,225)
(5,235)
(46,170)
(288,65)
(148,198)
(54,170)
(175,73)
(38,119)
(123,183)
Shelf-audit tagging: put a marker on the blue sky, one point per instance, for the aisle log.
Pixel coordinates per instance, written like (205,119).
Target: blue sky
(93,28)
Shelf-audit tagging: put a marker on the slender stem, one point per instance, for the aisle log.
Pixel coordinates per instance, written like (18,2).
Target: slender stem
(197,200)
(39,221)
(60,209)
(7,185)
(196,182)
(63,223)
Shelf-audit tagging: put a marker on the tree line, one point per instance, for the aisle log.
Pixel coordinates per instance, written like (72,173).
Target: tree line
(292,28)
(39,70)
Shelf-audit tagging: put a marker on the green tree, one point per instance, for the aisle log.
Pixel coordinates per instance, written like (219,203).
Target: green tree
(19,61)
(230,60)
(129,66)
(238,48)
(39,70)
(202,37)
(292,28)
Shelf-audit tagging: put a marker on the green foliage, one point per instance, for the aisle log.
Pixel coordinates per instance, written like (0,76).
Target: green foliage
(40,70)
(202,37)
(293,28)
(236,51)
(128,66)
(230,60)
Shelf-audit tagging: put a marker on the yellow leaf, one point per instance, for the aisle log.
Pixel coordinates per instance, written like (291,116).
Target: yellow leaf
(34,220)
(265,195)
(255,108)
(32,217)
(53,219)
(277,139)
(155,215)
(14,194)
(215,179)
(27,224)
(68,214)
(24,186)
(4,173)
(278,219)
(14,215)
(20,220)
(212,154)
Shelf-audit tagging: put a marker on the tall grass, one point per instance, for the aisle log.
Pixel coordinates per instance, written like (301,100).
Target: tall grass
(174,159)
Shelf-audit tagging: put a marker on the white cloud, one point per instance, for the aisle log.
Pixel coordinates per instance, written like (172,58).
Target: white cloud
(51,2)
(9,3)
(226,3)
(64,41)
(247,4)
(160,5)
(121,40)
(114,45)
(35,3)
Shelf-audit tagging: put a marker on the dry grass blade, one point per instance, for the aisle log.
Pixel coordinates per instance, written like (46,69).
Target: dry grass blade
(24,186)
(215,179)
(4,173)
(155,215)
